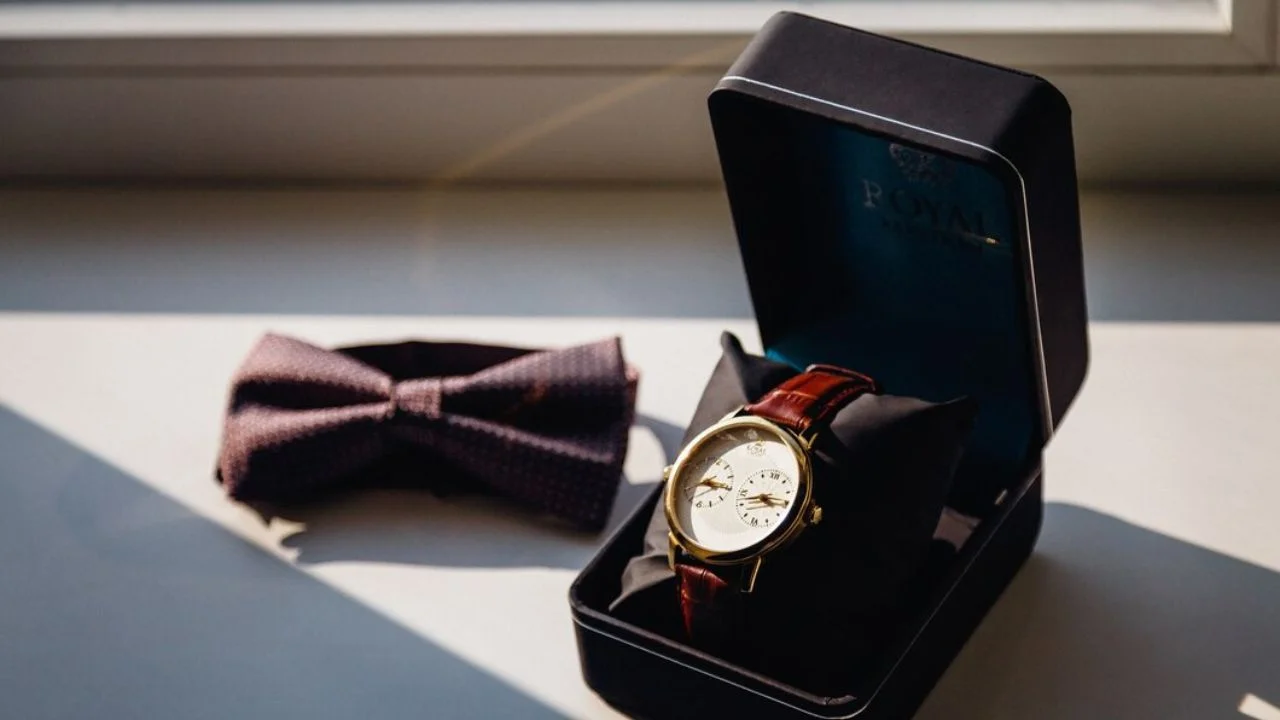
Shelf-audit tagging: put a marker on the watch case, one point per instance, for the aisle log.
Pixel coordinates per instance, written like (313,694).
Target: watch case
(914,215)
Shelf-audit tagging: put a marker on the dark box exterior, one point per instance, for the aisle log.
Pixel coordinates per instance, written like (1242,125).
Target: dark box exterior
(998,300)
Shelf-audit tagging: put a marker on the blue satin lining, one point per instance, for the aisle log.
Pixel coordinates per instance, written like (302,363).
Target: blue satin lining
(932,294)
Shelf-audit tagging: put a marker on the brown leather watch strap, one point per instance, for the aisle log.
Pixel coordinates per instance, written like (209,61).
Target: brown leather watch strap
(702,602)
(813,397)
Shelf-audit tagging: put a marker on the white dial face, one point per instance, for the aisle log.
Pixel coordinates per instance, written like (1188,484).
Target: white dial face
(710,487)
(738,487)
(762,500)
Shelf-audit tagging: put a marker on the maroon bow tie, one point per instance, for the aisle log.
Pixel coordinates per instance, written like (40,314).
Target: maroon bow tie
(546,428)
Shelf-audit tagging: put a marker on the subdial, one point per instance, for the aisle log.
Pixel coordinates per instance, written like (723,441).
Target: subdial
(711,487)
(765,497)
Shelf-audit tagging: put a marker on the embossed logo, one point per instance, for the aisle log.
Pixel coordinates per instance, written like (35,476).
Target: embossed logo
(918,166)
(921,209)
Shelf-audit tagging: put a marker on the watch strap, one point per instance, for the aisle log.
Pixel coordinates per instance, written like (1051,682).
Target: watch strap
(812,398)
(702,594)
(713,608)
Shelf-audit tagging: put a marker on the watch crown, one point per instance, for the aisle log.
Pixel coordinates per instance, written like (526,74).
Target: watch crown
(815,515)
(666,473)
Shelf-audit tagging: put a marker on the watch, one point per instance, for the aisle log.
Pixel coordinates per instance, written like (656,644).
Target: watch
(742,489)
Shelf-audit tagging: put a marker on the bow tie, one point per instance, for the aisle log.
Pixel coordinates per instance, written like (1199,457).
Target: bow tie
(545,428)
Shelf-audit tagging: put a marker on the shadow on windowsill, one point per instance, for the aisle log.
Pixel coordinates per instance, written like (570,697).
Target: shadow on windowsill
(1109,620)
(120,603)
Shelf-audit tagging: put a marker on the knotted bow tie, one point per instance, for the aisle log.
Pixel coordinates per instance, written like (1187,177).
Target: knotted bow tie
(546,428)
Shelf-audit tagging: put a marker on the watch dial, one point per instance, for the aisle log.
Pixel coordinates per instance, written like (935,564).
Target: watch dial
(736,488)
(710,487)
(762,500)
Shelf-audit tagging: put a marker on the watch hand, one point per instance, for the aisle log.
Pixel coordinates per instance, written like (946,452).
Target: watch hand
(712,482)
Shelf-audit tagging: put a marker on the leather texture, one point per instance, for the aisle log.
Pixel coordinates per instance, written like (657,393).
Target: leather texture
(813,397)
(701,593)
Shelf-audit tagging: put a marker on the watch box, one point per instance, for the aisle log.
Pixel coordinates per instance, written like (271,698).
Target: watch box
(914,215)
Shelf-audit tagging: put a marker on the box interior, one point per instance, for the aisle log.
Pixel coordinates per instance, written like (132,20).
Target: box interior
(900,261)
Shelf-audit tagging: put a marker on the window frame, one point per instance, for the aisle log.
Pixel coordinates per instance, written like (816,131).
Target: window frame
(620,33)
(282,92)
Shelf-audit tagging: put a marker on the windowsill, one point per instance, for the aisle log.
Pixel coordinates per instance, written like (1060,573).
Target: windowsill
(123,313)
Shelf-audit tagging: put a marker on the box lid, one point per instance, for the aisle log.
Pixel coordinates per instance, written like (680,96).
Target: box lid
(914,215)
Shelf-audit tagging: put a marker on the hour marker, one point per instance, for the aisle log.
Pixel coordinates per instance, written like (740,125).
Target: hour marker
(709,484)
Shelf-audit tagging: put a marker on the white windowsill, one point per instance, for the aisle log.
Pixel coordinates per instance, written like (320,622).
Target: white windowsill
(1166,462)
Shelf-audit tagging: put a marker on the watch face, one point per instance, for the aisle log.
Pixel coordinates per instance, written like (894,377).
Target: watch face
(736,487)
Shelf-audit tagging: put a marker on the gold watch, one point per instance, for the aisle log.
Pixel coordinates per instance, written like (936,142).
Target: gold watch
(743,488)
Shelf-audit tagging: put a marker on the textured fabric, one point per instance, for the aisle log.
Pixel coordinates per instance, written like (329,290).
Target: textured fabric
(545,428)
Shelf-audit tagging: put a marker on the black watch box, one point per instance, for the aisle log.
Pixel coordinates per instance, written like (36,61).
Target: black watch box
(914,215)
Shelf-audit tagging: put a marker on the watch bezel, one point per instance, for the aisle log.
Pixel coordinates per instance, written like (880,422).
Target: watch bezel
(781,535)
